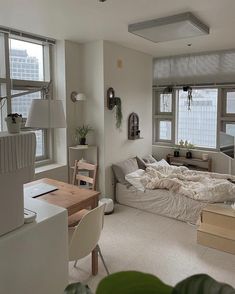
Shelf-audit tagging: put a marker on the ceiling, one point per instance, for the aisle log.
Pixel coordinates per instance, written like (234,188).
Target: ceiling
(89,20)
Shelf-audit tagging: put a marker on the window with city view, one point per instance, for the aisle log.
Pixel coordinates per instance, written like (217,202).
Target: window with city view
(173,121)
(27,67)
(198,125)
(26,63)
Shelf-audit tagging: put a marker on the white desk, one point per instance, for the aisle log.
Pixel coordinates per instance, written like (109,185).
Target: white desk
(34,257)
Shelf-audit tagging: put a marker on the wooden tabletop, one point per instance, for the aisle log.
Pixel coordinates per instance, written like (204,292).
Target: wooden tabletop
(68,196)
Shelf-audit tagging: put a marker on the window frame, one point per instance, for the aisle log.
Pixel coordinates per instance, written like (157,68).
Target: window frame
(25,85)
(222,116)
(162,116)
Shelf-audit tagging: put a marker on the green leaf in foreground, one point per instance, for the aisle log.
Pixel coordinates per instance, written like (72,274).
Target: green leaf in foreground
(77,288)
(202,284)
(132,282)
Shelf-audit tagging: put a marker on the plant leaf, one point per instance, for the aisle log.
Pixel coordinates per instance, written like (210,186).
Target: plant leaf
(132,282)
(202,284)
(77,288)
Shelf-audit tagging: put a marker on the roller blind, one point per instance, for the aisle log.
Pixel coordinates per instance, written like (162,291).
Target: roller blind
(204,68)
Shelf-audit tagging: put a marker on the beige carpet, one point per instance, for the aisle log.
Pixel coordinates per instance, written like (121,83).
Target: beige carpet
(137,240)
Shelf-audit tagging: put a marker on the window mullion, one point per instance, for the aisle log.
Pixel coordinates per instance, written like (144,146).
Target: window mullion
(8,73)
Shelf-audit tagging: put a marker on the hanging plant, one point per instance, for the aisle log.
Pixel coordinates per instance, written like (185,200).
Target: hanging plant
(116,102)
(118,113)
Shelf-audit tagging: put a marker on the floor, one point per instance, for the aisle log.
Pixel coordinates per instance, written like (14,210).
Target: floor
(137,240)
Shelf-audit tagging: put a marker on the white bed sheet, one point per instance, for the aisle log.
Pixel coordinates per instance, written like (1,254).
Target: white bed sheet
(161,202)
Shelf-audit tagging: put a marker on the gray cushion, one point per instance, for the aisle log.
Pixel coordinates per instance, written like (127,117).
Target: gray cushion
(149,159)
(123,168)
(141,163)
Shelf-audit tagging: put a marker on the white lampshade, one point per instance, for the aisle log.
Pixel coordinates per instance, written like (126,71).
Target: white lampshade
(46,114)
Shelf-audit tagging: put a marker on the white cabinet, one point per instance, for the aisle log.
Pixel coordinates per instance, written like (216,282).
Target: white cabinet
(86,152)
(34,257)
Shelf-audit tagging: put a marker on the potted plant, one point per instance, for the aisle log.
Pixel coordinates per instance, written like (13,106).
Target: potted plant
(177,151)
(13,121)
(189,153)
(132,282)
(82,132)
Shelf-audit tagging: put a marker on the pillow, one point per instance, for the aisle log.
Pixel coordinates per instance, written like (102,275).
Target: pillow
(134,179)
(141,163)
(162,162)
(149,159)
(121,169)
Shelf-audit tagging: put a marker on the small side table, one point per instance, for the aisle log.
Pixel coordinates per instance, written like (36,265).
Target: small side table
(217,229)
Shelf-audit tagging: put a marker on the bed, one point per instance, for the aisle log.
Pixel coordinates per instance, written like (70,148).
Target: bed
(183,202)
(160,201)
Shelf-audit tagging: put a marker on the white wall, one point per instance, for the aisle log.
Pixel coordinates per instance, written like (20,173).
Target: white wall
(74,76)
(132,82)
(93,83)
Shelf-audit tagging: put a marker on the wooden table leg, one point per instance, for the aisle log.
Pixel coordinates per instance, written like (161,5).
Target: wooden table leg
(94,254)
(94,262)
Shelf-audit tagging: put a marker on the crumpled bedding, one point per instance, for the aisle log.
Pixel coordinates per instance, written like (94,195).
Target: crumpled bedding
(201,186)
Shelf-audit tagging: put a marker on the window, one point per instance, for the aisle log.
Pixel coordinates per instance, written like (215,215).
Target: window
(27,66)
(228,117)
(173,122)
(163,116)
(198,125)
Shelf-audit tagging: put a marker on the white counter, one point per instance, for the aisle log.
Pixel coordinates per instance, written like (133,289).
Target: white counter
(34,257)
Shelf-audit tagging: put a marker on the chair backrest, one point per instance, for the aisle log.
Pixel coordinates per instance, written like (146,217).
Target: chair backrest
(86,234)
(77,176)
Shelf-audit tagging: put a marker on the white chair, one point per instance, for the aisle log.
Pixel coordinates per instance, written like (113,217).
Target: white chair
(83,238)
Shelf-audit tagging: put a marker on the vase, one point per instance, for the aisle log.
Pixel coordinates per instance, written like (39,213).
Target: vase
(176,153)
(13,127)
(82,141)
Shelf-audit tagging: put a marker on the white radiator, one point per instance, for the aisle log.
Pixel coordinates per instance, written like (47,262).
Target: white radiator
(17,158)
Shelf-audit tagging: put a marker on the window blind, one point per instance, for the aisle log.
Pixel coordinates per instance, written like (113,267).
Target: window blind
(204,68)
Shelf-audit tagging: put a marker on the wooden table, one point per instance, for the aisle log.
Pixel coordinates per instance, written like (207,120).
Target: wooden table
(73,199)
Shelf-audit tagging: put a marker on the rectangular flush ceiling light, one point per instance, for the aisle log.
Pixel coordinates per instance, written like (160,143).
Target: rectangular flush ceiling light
(180,26)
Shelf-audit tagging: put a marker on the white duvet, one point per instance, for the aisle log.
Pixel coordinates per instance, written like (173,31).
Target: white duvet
(202,186)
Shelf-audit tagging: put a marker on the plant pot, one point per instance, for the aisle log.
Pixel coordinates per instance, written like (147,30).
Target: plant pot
(13,127)
(176,153)
(82,141)
(188,154)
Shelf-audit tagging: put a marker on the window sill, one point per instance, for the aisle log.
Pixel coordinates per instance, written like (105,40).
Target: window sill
(48,167)
(196,149)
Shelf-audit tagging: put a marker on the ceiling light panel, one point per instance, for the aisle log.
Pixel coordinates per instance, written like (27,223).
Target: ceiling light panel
(180,26)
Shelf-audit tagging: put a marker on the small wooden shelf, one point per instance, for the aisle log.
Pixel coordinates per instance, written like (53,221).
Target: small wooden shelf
(192,163)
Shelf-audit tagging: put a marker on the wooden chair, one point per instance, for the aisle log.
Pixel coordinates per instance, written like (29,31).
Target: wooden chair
(77,177)
(79,166)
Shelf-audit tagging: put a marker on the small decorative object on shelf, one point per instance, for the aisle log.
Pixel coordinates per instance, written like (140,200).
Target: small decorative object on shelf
(112,102)
(205,156)
(82,132)
(177,151)
(133,126)
(13,121)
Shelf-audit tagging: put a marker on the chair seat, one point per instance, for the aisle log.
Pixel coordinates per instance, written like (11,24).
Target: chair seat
(75,218)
